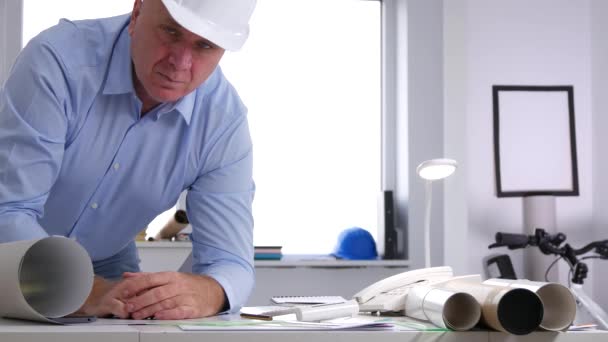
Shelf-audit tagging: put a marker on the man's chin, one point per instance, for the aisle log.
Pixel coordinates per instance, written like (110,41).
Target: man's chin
(169,95)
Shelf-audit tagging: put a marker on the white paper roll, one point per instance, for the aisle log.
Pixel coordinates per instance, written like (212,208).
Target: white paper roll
(558,302)
(444,308)
(43,279)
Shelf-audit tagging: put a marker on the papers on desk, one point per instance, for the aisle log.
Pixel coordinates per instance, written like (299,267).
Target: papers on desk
(306,313)
(287,325)
(361,322)
(266,313)
(307,299)
(582,327)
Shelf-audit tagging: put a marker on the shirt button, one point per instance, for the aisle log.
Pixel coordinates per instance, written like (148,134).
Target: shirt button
(116,166)
(94,205)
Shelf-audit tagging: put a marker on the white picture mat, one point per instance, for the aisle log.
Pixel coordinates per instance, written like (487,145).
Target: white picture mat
(535,141)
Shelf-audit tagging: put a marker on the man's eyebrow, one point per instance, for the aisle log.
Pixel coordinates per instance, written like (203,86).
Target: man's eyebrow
(207,41)
(171,21)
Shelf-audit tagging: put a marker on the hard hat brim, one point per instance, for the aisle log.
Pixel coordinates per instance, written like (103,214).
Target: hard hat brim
(228,40)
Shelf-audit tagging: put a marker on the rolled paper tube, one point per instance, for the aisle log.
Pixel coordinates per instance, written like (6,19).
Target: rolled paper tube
(174,225)
(517,311)
(44,279)
(558,302)
(445,308)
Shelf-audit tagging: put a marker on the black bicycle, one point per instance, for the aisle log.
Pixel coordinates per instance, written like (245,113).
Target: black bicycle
(554,244)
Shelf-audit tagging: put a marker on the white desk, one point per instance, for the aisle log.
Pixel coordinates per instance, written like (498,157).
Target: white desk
(22,331)
(165,334)
(32,332)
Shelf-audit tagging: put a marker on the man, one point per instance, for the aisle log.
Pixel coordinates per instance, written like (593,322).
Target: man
(103,123)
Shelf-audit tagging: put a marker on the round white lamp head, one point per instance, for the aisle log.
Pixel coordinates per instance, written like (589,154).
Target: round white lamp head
(436,168)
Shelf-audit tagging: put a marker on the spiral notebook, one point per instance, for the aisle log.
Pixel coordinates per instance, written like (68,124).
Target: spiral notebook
(307,299)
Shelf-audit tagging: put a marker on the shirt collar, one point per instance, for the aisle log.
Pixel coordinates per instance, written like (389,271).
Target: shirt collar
(120,80)
(184,106)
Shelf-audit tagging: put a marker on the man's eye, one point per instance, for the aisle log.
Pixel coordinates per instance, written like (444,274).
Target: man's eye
(203,45)
(170,31)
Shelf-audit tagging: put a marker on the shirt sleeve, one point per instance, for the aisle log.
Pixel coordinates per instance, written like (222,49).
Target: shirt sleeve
(219,207)
(33,127)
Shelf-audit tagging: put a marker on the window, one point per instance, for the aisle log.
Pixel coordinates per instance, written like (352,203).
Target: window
(40,14)
(310,75)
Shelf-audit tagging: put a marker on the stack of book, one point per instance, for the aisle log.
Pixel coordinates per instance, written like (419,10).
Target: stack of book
(267,252)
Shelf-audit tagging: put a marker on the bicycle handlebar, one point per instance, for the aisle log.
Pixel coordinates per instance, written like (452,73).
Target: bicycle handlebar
(512,241)
(550,244)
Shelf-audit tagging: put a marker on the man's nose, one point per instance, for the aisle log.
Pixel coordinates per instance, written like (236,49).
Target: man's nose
(181,57)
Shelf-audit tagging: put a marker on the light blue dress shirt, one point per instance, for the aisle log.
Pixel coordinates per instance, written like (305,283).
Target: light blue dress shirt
(78,160)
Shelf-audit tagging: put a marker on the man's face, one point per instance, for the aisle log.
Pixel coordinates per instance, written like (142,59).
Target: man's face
(169,61)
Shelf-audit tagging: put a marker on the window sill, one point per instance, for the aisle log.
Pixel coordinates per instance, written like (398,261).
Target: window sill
(163,244)
(291,260)
(317,261)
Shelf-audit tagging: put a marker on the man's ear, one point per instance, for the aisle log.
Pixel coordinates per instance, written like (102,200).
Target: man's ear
(134,14)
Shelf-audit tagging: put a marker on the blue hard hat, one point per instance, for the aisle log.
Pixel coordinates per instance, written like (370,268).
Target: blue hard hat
(355,244)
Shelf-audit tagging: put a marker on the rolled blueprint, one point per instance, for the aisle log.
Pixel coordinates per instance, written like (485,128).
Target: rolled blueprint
(176,223)
(444,308)
(558,302)
(517,311)
(43,279)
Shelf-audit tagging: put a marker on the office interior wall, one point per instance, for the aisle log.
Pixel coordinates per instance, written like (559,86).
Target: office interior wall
(599,81)
(456,227)
(3,38)
(541,42)
(10,35)
(425,122)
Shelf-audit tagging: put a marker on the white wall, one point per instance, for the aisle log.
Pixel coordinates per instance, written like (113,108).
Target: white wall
(540,42)
(10,35)
(3,40)
(425,122)
(599,81)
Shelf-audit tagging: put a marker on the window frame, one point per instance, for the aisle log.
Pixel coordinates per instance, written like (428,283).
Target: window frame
(394,155)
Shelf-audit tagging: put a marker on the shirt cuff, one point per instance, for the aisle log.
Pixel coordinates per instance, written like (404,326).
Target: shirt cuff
(229,275)
(234,274)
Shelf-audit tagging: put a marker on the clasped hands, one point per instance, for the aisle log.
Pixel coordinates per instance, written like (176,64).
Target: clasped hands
(162,295)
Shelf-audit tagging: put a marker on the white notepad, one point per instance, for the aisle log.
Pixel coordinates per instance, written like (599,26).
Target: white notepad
(307,299)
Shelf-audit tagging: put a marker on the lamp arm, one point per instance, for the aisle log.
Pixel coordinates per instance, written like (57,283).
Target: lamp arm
(427,224)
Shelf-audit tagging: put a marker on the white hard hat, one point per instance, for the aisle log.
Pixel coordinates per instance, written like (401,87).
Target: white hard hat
(223,22)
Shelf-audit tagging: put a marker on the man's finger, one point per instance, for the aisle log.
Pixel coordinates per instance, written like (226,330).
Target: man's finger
(138,284)
(180,312)
(152,296)
(112,304)
(151,310)
(133,274)
(118,309)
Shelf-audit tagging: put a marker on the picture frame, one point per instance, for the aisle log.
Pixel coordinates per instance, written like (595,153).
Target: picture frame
(534,141)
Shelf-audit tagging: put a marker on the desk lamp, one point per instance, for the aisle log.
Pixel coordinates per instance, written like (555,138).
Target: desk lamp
(432,170)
